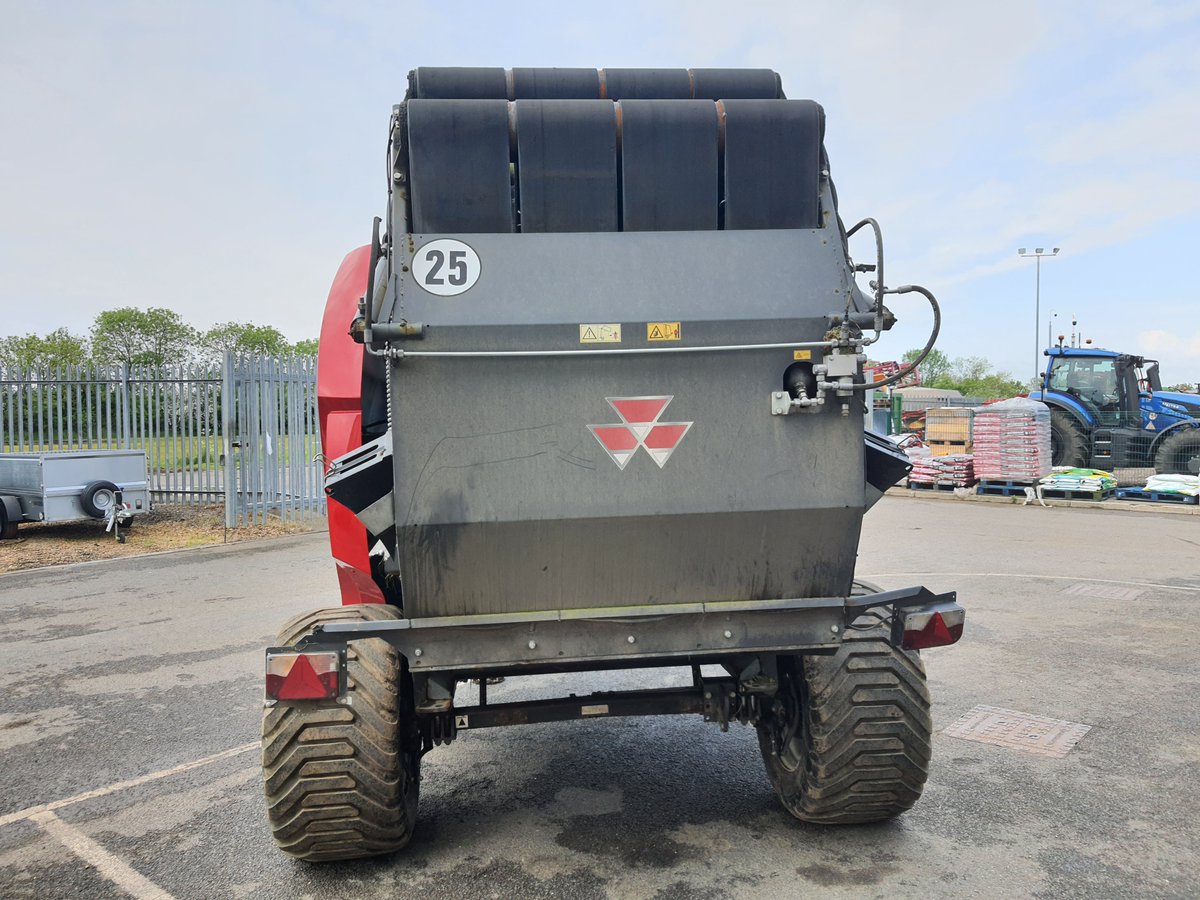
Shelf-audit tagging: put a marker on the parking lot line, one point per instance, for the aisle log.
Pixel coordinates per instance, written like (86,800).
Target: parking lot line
(34,811)
(112,868)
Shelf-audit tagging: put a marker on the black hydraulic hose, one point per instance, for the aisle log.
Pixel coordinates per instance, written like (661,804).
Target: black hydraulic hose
(878,281)
(937,327)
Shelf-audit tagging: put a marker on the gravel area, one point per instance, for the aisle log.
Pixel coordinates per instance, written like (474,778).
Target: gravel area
(166,528)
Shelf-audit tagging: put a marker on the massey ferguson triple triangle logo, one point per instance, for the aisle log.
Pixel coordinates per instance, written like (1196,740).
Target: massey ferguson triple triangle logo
(640,428)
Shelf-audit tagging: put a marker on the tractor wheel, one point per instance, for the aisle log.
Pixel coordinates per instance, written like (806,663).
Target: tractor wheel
(1068,443)
(848,739)
(1179,453)
(341,778)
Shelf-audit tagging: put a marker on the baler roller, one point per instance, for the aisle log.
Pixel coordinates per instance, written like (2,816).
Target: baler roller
(571,165)
(460,83)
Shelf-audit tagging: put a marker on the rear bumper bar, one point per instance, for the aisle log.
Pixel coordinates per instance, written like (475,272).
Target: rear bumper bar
(621,636)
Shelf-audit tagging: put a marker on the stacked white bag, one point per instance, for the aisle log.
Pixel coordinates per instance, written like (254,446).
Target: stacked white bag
(1012,440)
(1188,485)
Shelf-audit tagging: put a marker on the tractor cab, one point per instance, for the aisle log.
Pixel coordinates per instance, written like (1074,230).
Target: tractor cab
(1104,385)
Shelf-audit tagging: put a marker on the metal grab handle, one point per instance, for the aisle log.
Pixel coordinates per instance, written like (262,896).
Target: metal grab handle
(368,298)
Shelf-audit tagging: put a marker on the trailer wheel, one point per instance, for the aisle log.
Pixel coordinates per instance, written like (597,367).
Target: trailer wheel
(1179,453)
(8,527)
(98,498)
(1068,443)
(848,739)
(341,779)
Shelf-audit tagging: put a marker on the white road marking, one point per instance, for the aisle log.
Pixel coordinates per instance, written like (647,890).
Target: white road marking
(1141,584)
(34,811)
(119,873)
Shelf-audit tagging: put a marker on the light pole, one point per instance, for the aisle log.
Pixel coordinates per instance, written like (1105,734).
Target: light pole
(1037,254)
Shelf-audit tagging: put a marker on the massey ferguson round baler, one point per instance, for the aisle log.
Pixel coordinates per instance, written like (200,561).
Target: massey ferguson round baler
(594,400)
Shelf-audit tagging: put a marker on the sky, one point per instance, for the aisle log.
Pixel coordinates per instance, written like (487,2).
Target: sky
(220,158)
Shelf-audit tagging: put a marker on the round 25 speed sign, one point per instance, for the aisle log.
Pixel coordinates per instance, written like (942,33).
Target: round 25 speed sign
(445,267)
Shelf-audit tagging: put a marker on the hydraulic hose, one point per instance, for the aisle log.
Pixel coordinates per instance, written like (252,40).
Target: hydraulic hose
(877,284)
(937,327)
(878,281)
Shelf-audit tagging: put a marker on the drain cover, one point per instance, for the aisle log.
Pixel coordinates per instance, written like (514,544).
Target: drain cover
(1107,592)
(1019,731)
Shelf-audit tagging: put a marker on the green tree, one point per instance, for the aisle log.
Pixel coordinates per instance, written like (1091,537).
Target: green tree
(58,348)
(969,368)
(305,348)
(243,337)
(934,368)
(154,336)
(975,377)
(972,376)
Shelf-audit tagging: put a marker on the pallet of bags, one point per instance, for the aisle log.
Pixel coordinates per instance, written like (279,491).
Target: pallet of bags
(1067,483)
(944,472)
(1012,441)
(1165,489)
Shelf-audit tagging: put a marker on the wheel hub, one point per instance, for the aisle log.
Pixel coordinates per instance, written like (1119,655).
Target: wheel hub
(785,724)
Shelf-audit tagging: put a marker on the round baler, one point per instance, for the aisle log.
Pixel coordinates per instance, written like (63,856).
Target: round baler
(592,399)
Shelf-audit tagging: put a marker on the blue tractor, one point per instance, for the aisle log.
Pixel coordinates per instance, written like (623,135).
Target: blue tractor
(1108,410)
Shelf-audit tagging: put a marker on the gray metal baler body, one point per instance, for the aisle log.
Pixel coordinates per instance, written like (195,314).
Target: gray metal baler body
(505,499)
(515,392)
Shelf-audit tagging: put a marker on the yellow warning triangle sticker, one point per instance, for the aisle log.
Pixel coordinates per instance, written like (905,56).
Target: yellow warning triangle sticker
(655,333)
(588,335)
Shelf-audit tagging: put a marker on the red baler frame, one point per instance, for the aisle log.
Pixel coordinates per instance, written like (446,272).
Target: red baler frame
(339,404)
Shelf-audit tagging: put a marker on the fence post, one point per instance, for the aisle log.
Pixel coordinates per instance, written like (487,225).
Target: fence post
(125,424)
(228,418)
(6,397)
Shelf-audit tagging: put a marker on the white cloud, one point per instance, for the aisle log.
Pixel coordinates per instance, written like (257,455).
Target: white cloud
(1178,352)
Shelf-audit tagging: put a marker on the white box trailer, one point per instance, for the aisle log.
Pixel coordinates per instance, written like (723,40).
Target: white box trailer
(64,486)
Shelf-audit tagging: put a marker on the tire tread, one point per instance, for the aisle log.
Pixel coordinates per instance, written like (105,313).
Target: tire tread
(869,738)
(1169,457)
(334,776)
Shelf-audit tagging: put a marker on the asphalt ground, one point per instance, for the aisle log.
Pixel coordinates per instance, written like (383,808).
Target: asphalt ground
(131,703)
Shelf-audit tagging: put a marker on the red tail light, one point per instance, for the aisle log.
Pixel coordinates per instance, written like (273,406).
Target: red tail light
(303,676)
(932,626)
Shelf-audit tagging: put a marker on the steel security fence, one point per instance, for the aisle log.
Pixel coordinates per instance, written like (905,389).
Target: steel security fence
(272,442)
(250,424)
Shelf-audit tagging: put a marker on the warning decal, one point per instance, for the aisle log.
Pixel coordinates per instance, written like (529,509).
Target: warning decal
(662,331)
(600,334)
(640,428)
(801,354)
